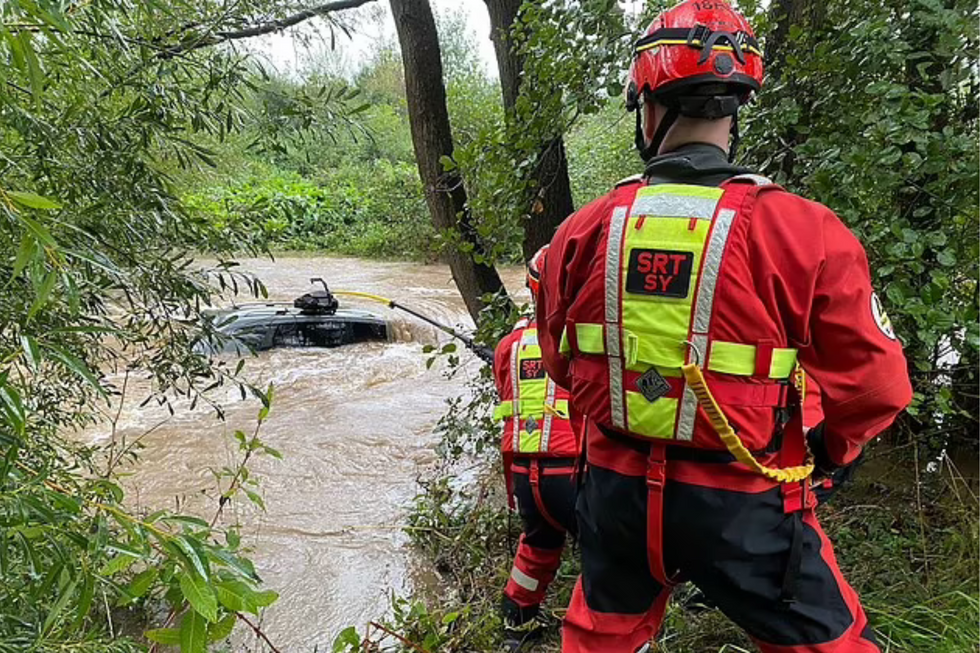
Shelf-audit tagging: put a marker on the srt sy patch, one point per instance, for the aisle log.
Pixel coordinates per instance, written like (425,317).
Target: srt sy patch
(659,272)
(531,369)
(652,385)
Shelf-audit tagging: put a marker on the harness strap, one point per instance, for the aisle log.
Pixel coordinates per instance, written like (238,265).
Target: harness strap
(567,470)
(791,574)
(508,458)
(535,481)
(656,478)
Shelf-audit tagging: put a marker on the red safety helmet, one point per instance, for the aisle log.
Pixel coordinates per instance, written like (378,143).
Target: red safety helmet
(534,268)
(699,59)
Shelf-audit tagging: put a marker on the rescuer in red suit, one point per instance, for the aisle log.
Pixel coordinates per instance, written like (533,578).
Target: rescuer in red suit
(676,309)
(540,450)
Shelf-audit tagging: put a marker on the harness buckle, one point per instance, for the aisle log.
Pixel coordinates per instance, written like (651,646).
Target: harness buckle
(533,472)
(657,467)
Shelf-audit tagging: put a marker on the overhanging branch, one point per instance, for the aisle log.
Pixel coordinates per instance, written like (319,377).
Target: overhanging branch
(214,38)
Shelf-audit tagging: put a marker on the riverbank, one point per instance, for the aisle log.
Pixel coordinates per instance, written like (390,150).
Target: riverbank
(911,552)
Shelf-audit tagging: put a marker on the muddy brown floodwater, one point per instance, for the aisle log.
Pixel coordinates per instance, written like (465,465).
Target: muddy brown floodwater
(355,427)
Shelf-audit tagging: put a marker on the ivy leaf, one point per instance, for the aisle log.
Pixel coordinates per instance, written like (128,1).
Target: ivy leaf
(199,594)
(946,258)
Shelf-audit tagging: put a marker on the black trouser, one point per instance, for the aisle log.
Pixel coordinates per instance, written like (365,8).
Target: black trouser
(735,546)
(545,492)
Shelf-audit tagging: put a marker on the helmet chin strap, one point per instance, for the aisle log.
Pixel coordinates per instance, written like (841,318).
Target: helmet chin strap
(733,148)
(710,108)
(647,152)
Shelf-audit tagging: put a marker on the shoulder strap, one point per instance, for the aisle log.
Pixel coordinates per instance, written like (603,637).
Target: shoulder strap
(757,180)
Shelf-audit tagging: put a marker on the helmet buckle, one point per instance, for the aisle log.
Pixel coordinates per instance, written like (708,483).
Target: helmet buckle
(698,35)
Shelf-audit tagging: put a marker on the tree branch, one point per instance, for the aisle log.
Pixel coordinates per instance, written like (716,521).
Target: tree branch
(214,38)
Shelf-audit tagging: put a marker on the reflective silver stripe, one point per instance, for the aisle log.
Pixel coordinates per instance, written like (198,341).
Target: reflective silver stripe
(758,180)
(522,579)
(515,381)
(548,417)
(710,267)
(674,206)
(613,267)
(614,244)
(689,401)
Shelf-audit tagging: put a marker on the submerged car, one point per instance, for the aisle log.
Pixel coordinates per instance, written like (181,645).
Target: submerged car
(313,320)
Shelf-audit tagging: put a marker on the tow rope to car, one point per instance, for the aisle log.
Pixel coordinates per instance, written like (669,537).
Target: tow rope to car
(482,351)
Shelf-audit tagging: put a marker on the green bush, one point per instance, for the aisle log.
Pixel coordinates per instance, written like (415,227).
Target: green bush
(374,210)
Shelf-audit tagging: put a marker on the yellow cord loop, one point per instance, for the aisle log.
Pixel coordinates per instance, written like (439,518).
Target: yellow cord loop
(695,381)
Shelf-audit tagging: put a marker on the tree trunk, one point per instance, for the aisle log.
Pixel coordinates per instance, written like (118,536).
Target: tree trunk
(553,202)
(432,139)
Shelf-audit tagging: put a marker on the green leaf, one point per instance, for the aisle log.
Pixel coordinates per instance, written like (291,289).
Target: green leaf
(255,498)
(116,565)
(59,605)
(193,633)
(347,640)
(31,352)
(41,293)
(946,258)
(275,453)
(235,595)
(199,594)
(33,66)
(165,636)
(25,253)
(222,629)
(265,599)
(76,366)
(33,200)
(39,230)
(450,618)
(85,599)
(142,583)
(185,519)
(447,163)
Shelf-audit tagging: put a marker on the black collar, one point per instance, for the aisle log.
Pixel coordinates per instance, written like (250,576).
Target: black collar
(701,164)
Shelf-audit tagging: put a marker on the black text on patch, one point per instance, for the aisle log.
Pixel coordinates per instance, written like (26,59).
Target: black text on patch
(660,272)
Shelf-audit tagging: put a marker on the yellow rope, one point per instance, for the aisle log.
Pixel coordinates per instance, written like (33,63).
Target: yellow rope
(695,381)
(365,295)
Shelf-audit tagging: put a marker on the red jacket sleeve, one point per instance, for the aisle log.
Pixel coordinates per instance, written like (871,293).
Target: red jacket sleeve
(569,260)
(851,349)
(812,406)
